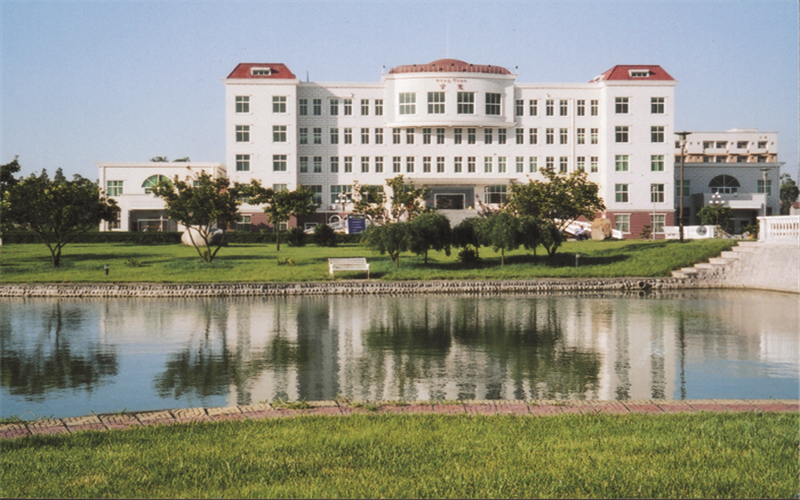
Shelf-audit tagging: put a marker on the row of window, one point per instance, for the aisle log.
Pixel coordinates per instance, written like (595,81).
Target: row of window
(739,144)
(465,105)
(621,135)
(622,222)
(622,194)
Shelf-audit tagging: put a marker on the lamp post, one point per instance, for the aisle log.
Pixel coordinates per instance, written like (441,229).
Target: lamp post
(717,202)
(683,136)
(764,186)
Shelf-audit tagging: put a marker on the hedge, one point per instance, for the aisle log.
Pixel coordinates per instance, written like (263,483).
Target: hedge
(156,238)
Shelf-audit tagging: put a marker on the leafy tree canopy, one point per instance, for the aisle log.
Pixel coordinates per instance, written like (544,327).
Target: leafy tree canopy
(789,193)
(7,178)
(407,201)
(429,231)
(391,239)
(280,206)
(56,210)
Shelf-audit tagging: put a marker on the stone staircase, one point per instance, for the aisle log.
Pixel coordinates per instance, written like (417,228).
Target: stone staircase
(717,266)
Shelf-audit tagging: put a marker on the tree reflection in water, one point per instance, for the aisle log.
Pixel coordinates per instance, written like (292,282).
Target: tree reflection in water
(56,356)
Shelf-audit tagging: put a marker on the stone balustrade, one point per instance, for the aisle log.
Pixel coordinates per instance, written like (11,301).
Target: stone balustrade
(779,229)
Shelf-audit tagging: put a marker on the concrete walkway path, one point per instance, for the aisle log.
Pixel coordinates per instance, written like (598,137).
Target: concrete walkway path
(335,408)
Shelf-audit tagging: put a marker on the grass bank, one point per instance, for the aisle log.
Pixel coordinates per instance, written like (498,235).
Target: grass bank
(82,263)
(703,455)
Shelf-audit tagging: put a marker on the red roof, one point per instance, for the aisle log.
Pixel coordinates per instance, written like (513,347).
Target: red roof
(276,71)
(450,65)
(629,72)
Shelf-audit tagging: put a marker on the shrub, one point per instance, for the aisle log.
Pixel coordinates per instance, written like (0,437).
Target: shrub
(469,255)
(324,236)
(296,237)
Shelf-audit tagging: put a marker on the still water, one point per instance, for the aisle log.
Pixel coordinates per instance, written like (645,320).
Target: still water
(71,357)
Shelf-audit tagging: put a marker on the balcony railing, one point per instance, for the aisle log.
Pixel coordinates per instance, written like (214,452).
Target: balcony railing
(779,229)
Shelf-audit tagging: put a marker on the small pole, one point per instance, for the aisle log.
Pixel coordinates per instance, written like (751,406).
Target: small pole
(577,256)
(105,267)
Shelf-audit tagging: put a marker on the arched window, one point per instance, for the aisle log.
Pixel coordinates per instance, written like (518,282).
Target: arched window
(724,184)
(152,181)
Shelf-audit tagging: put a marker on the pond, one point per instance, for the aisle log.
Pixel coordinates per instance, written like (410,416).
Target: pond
(72,357)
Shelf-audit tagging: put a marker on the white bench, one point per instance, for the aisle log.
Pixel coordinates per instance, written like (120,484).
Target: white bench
(354,264)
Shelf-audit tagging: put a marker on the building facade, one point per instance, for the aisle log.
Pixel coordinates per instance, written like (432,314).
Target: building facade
(466,131)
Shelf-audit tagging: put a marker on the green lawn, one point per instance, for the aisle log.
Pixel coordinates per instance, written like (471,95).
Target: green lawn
(30,263)
(703,455)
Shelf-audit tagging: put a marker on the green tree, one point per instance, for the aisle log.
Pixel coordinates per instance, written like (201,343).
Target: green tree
(466,234)
(502,231)
(558,201)
(789,193)
(391,239)
(429,231)
(406,201)
(57,210)
(7,179)
(369,200)
(204,205)
(718,215)
(280,206)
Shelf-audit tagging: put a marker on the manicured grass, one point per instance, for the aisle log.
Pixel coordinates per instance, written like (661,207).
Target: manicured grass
(704,455)
(30,263)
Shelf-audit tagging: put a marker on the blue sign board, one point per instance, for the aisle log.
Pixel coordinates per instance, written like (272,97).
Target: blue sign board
(356,224)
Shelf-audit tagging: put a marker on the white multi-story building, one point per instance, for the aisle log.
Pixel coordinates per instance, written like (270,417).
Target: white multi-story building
(464,130)
(740,165)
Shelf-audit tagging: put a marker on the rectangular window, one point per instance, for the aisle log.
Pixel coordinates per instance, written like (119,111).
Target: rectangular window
(741,144)
(303,135)
(501,136)
(242,163)
(621,105)
(280,188)
(581,136)
(364,107)
(439,136)
(396,160)
(279,104)
(457,132)
(549,163)
(410,164)
(242,133)
(656,134)
(466,103)
(487,136)
(562,107)
(426,164)
(621,163)
(581,107)
(657,105)
(501,164)
(334,164)
(656,163)
(435,103)
(379,164)
(348,135)
(114,188)
(580,163)
(378,107)
(334,107)
(533,107)
(279,133)
(426,136)
(519,107)
(339,193)
(364,135)
(317,190)
(408,102)
(317,164)
(563,134)
(760,187)
(395,136)
(487,164)
(379,135)
(348,164)
(242,104)
(303,162)
(548,106)
(657,222)
(621,193)
(470,164)
(595,135)
(533,135)
(457,164)
(656,193)
(533,164)
(621,133)
(365,164)
(594,164)
(492,104)
(520,164)
(440,164)
(471,136)
(348,107)
(686,189)
(520,135)
(563,164)
(334,135)
(279,163)
(303,107)
(409,136)
(317,107)
(495,194)
(549,136)
(622,223)
(594,106)
(243,224)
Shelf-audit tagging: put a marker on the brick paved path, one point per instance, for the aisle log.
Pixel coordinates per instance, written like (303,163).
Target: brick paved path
(334,408)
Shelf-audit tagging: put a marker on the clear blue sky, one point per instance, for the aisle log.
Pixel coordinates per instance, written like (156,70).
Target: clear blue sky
(125,81)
